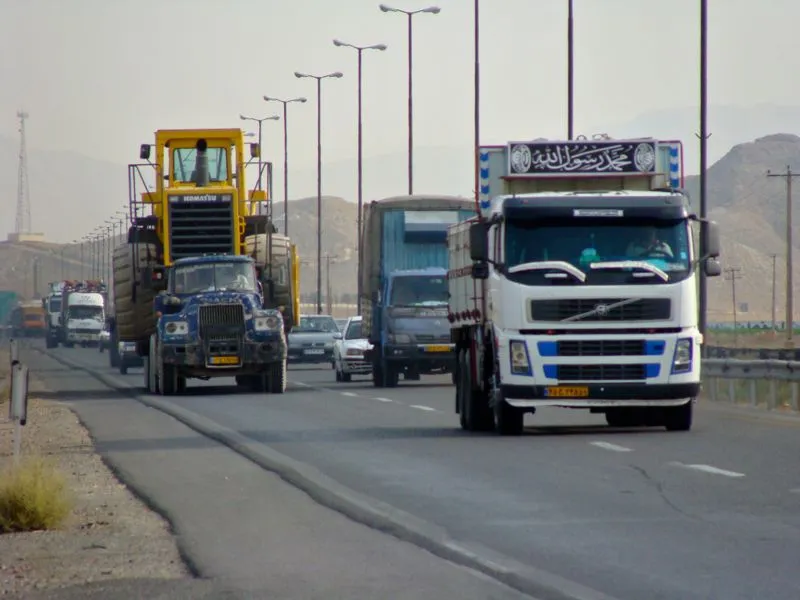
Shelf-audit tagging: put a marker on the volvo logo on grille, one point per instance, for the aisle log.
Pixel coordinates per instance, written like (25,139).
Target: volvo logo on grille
(601,310)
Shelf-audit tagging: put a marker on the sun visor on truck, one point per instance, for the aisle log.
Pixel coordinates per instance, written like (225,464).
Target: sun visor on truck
(427,226)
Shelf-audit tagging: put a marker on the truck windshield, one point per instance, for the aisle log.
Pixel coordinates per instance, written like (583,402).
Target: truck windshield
(354,332)
(419,290)
(321,324)
(183,160)
(211,277)
(664,245)
(86,312)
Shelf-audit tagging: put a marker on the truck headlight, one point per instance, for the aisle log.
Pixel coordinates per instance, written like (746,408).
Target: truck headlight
(520,362)
(682,359)
(177,328)
(270,323)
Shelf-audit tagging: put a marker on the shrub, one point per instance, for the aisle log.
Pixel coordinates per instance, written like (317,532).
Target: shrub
(33,496)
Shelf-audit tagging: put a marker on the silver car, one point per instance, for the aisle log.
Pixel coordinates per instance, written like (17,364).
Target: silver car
(311,341)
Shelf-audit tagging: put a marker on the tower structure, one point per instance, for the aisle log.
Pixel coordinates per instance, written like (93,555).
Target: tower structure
(22,226)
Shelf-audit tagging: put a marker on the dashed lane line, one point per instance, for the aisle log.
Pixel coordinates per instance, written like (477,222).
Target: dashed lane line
(383,399)
(611,447)
(422,407)
(710,469)
(349,394)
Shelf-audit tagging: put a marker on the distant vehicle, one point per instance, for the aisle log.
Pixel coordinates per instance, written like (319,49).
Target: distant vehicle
(312,340)
(127,357)
(341,324)
(348,351)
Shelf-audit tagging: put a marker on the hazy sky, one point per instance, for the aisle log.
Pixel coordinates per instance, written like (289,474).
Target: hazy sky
(99,76)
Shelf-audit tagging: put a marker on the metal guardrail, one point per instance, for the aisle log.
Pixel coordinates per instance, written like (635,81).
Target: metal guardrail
(753,353)
(733,380)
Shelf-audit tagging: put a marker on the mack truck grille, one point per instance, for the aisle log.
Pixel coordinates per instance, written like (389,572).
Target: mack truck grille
(601,372)
(601,309)
(221,323)
(201,227)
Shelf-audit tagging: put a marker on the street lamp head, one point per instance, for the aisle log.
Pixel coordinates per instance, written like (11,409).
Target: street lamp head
(302,100)
(380,47)
(338,75)
(338,43)
(385,8)
(299,75)
(273,118)
(434,10)
(269,99)
(243,118)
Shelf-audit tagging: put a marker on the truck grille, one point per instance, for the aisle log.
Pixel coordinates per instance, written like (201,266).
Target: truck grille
(601,348)
(601,372)
(221,322)
(643,309)
(201,227)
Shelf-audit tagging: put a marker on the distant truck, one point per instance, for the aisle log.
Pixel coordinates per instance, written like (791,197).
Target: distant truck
(83,313)
(404,285)
(28,320)
(52,306)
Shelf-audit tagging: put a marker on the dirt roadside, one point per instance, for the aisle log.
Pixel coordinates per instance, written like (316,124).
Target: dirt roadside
(109,535)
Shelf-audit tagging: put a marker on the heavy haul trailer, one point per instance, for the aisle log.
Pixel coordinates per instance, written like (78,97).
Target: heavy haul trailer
(198,207)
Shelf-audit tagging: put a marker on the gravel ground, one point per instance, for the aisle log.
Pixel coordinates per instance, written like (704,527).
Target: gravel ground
(110,534)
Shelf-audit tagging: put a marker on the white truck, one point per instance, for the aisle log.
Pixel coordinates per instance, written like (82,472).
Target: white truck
(52,307)
(83,314)
(576,286)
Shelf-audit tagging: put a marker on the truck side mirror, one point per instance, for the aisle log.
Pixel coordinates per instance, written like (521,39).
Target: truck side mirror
(479,242)
(480,271)
(712,267)
(711,242)
(144,151)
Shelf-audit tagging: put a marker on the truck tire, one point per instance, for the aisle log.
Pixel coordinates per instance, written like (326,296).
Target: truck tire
(257,247)
(679,418)
(151,367)
(134,320)
(123,368)
(276,384)
(508,420)
(475,412)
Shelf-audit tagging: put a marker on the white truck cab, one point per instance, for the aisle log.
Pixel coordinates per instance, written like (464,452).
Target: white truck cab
(83,318)
(577,286)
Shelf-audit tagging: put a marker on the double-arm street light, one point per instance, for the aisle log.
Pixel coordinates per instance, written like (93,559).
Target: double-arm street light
(360,51)
(285,155)
(434,10)
(319,78)
(260,150)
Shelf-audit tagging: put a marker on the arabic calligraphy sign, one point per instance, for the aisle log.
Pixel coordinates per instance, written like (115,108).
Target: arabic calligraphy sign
(591,158)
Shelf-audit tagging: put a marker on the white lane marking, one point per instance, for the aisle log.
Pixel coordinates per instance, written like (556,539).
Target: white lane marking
(611,447)
(383,399)
(300,383)
(421,407)
(351,394)
(710,469)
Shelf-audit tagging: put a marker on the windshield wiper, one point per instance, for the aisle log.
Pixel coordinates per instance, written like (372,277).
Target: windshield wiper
(632,264)
(549,265)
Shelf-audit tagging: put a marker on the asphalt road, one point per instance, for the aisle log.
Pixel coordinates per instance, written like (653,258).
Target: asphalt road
(245,531)
(712,513)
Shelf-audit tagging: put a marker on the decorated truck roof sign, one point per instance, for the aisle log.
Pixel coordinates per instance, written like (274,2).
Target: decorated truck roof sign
(521,166)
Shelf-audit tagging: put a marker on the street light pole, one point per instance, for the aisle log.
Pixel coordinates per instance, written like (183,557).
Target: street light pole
(319,79)
(359,236)
(260,149)
(570,72)
(434,10)
(285,156)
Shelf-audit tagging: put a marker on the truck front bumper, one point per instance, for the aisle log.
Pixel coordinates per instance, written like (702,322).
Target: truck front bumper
(199,359)
(425,357)
(597,395)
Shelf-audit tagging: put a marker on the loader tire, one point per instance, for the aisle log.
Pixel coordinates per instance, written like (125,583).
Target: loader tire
(135,320)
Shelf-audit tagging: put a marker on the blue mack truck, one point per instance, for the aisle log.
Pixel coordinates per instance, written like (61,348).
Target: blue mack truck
(404,292)
(211,323)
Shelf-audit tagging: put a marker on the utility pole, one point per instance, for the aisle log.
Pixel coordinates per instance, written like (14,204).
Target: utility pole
(703,137)
(774,256)
(789,284)
(328,290)
(732,274)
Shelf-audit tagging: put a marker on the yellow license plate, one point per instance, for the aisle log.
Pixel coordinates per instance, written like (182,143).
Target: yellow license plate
(441,348)
(566,392)
(224,360)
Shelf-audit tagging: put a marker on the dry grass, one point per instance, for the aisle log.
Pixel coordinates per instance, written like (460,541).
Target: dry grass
(33,496)
(744,339)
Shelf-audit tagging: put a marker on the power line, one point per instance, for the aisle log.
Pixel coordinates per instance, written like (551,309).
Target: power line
(789,176)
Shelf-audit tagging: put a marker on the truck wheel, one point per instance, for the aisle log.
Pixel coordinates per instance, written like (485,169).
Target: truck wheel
(508,420)
(168,379)
(477,415)
(679,418)
(151,367)
(123,368)
(277,378)
(50,342)
(181,384)
(377,374)
(621,417)
(391,375)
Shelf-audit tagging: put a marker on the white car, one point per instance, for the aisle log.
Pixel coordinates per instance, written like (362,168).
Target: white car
(348,351)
